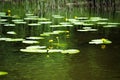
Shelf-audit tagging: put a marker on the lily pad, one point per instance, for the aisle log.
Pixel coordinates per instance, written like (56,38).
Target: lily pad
(109,26)
(34,38)
(29,14)
(2,13)
(34,24)
(78,23)
(17,20)
(65,23)
(102,23)
(33,51)
(4,39)
(29,18)
(72,20)
(87,28)
(103,19)
(9,25)
(45,22)
(41,50)
(100,41)
(86,24)
(14,40)
(30,42)
(3,73)
(45,34)
(11,32)
(36,47)
(57,16)
(70,51)
(56,26)
(83,30)
(93,29)
(60,31)
(48,33)
(82,18)
(3,20)
(21,22)
(113,23)
(43,19)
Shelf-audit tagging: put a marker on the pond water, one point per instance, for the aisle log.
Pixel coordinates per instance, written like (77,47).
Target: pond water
(93,62)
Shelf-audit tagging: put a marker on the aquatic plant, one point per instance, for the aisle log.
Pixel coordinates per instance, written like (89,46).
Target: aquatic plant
(3,73)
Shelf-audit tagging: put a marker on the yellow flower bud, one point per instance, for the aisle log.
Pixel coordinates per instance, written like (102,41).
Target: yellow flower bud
(51,40)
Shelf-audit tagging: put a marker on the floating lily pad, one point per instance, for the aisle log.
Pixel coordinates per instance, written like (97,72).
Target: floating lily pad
(78,23)
(2,13)
(11,32)
(72,20)
(34,38)
(30,42)
(55,51)
(4,39)
(93,29)
(56,26)
(14,40)
(109,26)
(87,28)
(34,24)
(100,41)
(43,19)
(3,73)
(60,31)
(93,20)
(102,23)
(36,47)
(18,20)
(29,18)
(28,14)
(83,30)
(45,22)
(41,50)
(3,20)
(103,19)
(46,34)
(82,18)
(96,42)
(113,23)
(33,51)
(21,22)
(86,24)
(65,23)
(70,51)
(57,16)
(9,25)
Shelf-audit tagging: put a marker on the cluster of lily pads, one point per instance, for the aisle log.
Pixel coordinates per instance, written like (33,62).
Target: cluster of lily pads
(56,26)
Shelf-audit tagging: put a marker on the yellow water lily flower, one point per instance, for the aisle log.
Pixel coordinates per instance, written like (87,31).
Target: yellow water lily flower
(75,17)
(51,40)
(103,46)
(66,19)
